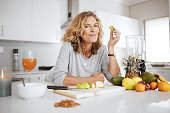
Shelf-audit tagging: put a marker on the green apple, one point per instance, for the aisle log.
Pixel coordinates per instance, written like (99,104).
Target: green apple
(85,85)
(92,85)
(99,84)
(136,79)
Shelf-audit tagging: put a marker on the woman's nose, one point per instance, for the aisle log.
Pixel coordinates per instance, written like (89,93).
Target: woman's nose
(92,28)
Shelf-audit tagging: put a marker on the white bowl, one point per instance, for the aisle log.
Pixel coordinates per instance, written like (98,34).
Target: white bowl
(31,90)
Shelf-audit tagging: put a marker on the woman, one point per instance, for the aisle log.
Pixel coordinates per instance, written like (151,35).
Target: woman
(82,57)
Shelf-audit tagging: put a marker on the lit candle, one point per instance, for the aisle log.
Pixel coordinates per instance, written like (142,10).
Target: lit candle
(5,85)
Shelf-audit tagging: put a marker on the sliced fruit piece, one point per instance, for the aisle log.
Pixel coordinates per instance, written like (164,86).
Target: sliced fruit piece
(112,28)
(79,86)
(92,85)
(85,85)
(99,84)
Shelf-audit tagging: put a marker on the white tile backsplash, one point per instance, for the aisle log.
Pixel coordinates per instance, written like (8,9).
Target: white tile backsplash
(46,53)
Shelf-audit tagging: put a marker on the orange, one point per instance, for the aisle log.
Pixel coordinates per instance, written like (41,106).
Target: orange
(153,85)
(163,86)
(140,87)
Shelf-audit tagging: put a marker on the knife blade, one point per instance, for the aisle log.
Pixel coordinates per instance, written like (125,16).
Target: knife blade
(61,87)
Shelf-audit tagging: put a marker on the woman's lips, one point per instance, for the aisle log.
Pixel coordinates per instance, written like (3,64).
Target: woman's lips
(92,35)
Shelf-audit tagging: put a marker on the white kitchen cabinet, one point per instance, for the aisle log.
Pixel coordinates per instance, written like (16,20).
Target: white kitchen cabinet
(30,20)
(45,20)
(165,72)
(15,20)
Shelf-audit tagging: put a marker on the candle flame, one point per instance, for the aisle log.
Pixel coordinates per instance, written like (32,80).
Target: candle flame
(2,74)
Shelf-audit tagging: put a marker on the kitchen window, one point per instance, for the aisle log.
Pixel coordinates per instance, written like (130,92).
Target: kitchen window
(157,40)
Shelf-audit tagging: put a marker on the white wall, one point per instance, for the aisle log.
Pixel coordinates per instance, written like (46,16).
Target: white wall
(149,10)
(126,25)
(63,11)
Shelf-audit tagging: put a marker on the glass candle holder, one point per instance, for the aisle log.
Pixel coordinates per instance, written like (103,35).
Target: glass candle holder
(5,85)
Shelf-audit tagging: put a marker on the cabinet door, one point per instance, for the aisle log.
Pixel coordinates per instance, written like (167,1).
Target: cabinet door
(45,20)
(15,19)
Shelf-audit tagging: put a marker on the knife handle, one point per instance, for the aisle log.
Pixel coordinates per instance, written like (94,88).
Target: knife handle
(58,87)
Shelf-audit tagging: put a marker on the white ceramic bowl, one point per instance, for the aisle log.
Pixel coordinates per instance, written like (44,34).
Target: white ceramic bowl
(31,90)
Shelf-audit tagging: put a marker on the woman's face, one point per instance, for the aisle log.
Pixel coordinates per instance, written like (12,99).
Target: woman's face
(90,30)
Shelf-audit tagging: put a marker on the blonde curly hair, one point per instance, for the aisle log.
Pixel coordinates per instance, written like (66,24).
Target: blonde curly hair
(74,32)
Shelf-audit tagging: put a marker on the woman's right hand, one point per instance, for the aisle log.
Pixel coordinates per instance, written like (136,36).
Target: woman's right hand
(98,76)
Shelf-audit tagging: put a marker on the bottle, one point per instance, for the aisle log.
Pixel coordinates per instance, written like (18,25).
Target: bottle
(15,60)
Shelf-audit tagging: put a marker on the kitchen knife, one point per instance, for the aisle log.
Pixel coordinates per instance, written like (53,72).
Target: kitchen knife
(61,87)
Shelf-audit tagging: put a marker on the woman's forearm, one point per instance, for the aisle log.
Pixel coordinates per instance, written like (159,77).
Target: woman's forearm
(72,81)
(113,64)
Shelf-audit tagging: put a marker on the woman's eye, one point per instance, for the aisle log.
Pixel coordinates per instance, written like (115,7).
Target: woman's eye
(86,26)
(95,25)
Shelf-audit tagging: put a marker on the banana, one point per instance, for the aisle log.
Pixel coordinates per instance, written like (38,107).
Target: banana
(160,78)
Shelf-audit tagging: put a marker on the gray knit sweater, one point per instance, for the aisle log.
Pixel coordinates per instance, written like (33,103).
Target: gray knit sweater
(73,64)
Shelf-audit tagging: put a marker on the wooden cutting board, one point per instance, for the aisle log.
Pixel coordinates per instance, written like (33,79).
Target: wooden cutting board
(83,93)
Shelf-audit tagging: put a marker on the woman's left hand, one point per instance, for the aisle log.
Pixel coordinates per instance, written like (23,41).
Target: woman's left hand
(113,38)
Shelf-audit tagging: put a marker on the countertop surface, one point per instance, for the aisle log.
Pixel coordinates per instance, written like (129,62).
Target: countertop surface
(128,101)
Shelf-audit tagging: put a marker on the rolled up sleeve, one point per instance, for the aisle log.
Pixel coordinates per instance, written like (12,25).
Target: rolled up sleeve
(105,66)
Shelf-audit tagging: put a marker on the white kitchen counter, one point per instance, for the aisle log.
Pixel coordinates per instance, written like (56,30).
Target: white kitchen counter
(128,101)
